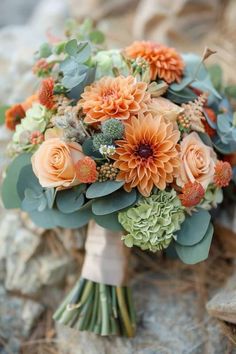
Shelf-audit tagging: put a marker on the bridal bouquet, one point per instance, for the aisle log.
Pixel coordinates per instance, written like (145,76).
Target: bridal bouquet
(130,141)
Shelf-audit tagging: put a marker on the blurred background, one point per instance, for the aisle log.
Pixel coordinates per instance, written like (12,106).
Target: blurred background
(38,267)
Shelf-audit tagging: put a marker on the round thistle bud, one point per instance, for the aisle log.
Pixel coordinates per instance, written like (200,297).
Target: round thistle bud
(107,172)
(113,128)
(153,221)
(100,139)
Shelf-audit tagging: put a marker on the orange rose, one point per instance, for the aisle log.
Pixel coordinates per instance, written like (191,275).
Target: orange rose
(197,161)
(54,163)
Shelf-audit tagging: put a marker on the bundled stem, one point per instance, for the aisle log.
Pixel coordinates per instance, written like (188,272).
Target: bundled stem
(99,308)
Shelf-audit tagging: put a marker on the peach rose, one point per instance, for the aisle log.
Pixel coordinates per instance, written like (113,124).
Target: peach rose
(165,108)
(197,161)
(54,163)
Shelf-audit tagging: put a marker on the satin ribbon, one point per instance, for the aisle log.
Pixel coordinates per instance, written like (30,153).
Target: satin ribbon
(107,258)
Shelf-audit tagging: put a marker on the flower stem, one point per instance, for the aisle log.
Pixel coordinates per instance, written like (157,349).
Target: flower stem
(124,312)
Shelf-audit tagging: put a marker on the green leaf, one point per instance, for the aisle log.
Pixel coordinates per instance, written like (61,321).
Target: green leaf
(50,194)
(196,253)
(45,50)
(113,202)
(182,96)
(71,47)
(28,180)
(100,189)
(88,148)
(51,218)
(3,110)
(230,91)
(97,37)
(205,138)
(84,52)
(182,85)
(193,228)
(109,221)
(32,201)
(10,195)
(71,200)
(216,75)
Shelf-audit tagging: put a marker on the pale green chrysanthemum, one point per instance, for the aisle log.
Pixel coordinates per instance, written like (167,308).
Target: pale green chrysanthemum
(212,197)
(152,222)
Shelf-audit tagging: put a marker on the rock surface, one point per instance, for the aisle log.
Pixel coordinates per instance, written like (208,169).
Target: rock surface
(170,321)
(223,304)
(17,317)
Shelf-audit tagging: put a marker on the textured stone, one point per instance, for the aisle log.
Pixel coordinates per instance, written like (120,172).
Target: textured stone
(223,304)
(169,322)
(17,317)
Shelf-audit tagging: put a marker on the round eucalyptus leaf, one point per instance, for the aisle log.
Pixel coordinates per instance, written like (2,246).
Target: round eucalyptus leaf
(193,228)
(10,196)
(113,202)
(70,200)
(109,221)
(198,252)
(100,189)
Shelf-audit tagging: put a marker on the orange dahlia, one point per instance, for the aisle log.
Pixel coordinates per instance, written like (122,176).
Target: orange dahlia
(86,170)
(147,156)
(13,116)
(45,94)
(192,194)
(165,63)
(110,97)
(223,173)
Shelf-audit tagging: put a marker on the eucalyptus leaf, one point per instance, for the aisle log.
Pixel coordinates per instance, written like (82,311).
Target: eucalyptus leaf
(88,149)
(51,218)
(109,221)
(71,47)
(193,228)
(182,96)
(28,180)
(230,91)
(84,52)
(50,194)
(45,50)
(216,76)
(76,91)
(198,252)
(71,200)
(97,37)
(205,138)
(31,201)
(10,196)
(100,189)
(113,202)
(186,81)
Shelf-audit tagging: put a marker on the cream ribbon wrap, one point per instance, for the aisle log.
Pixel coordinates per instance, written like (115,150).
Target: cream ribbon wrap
(107,258)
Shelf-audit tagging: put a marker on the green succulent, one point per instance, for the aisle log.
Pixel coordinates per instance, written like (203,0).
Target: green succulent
(113,128)
(100,139)
(152,222)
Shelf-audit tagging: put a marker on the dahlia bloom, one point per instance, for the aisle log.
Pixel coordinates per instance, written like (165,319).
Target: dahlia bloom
(147,156)
(110,97)
(165,63)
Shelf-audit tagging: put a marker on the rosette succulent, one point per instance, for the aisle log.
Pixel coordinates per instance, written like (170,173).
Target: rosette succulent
(153,221)
(107,60)
(36,119)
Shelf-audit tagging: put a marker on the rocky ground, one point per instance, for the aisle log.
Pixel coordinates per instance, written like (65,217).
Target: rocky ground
(37,267)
